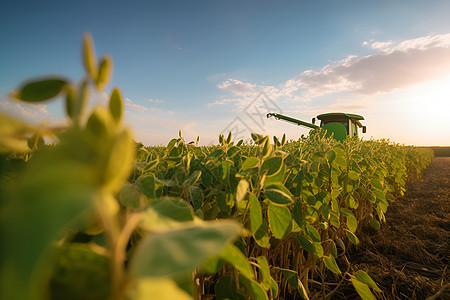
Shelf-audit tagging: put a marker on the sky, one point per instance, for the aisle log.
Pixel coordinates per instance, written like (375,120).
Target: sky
(210,67)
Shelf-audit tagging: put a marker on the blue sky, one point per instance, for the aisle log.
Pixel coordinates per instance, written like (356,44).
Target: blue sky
(201,66)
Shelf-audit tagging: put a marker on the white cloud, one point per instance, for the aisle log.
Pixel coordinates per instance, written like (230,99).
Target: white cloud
(156,101)
(26,110)
(394,66)
(136,107)
(408,63)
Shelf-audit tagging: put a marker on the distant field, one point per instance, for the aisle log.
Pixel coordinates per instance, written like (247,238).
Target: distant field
(440,150)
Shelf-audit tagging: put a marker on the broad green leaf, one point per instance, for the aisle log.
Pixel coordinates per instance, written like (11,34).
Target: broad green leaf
(256,218)
(235,257)
(172,208)
(352,223)
(331,155)
(294,282)
(376,184)
(254,288)
(177,251)
(264,270)
(362,289)
(278,197)
(306,243)
(277,186)
(192,180)
(333,249)
(267,148)
(331,264)
(291,277)
(130,196)
(232,151)
(40,90)
(104,72)
(353,175)
(313,233)
(365,278)
(212,265)
(225,288)
(50,194)
(81,271)
(156,288)
(146,184)
(297,212)
(352,237)
(280,221)
(375,223)
(249,163)
(89,56)
(318,249)
(272,165)
(241,190)
(261,236)
(116,105)
(120,161)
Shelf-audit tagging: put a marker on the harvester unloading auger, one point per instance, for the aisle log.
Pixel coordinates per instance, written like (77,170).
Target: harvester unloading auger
(338,125)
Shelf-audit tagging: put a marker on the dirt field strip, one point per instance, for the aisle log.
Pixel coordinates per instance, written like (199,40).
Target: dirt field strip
(409,256)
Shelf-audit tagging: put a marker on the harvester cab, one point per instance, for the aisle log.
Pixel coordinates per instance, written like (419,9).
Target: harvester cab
(339,125)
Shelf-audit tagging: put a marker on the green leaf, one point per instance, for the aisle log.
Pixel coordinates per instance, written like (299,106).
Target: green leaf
(116,105)
(261,236)
(265,278)
(280,221)
(333,249)
(376,184)
(353,175)
(241,190)
(254,288)
(40,90)
(313,233)
(104,72)
(375,223)
(306,244)
(238,260)
(191,180)
(156,288)
(352,237)
(267,148)
(225,288)
(362,289)
(177,251)
(146,184)
(331,155)
(272,165)
(89,56)
(278,197)
(256,218)
(81,271)
(331,264)
(294,282)
(249,163)
(130,196)
(365,278)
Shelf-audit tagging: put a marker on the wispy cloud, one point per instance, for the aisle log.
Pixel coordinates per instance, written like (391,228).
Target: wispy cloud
(407,63)
(136,107)
(26,110)
(395,65)
(156,101)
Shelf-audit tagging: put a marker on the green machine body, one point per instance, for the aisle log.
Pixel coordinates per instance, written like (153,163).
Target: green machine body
(338,125)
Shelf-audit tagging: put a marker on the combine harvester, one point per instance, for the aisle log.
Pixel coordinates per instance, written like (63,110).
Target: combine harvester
(338,125)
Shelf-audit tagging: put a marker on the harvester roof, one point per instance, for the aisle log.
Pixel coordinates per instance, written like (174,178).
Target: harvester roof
(337,115)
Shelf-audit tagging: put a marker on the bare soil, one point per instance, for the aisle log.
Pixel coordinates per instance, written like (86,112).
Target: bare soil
(409,256)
